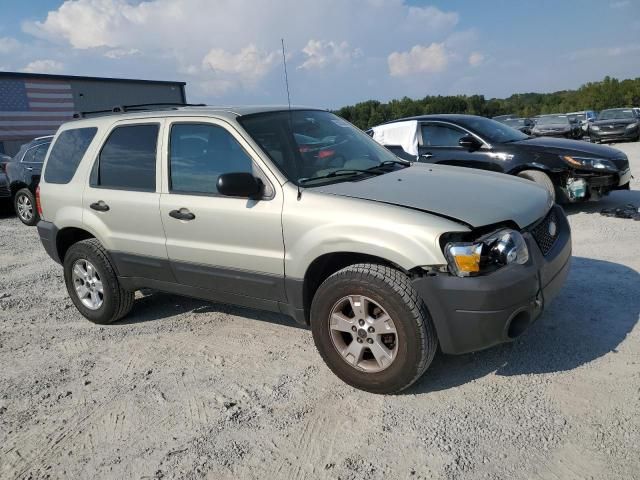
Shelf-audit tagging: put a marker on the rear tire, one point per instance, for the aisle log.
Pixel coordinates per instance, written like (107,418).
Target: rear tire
(24,203)
(541,179)
(384,291)
(112,302)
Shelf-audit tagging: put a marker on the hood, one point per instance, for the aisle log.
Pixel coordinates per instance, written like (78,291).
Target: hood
(617,121)
(563,146)
(474,197)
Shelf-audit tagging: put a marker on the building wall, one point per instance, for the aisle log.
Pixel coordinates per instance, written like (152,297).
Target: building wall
(88,95)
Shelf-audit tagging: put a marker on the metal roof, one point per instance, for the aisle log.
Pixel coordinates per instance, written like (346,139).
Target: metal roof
(46,76)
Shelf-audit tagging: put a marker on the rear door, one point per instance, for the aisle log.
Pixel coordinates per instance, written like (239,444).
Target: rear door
(121,204)
(232,246)
(439,144)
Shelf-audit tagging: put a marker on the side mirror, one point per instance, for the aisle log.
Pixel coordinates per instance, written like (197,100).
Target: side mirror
(240,184)
(470,142)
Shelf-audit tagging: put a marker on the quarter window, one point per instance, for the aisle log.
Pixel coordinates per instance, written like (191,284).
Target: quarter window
(199,154)
(441,136)
(66,154)
(128,159)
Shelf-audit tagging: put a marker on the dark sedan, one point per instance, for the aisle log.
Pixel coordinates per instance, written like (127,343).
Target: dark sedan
(556,126)
(23,173)
(5,191)
(570,170)
(616,124)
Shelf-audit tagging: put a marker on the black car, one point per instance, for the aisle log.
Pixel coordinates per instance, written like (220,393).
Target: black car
(23,173)
(5,192)
(525,125)
(616,124)
(570,170)
(557,125)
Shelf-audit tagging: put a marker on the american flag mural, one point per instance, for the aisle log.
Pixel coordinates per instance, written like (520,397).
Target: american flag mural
(31,107)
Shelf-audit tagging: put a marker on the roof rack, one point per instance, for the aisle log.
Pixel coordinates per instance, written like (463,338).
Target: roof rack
(141,107)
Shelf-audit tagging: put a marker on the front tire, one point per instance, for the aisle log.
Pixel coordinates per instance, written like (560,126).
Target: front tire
(93,285)
(24,203)
(541,179)
(372,329)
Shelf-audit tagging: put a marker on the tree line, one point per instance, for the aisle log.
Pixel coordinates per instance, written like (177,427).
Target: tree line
(608,93)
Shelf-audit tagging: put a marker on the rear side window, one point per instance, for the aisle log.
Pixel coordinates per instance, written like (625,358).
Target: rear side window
(36,154)
(127,160)
(66,154)
(199,154)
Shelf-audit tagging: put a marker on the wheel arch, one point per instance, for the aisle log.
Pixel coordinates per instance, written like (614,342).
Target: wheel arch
(69,236)
(326,265)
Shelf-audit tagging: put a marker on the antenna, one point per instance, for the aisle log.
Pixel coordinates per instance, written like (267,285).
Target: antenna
(286,76)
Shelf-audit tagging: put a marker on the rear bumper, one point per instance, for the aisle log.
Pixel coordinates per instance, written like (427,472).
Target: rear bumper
(48,233)
(478,312)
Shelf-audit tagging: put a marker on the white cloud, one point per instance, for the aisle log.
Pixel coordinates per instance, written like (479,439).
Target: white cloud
(620,4)
(248,62)
(476,59)
(420,59)
(43,66)
(118,53)
(8,45)
(600,52)
(321,53)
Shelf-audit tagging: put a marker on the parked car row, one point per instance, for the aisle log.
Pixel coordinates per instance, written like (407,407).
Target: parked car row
(611,125)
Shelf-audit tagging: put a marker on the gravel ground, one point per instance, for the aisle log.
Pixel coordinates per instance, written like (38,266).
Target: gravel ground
(189,389)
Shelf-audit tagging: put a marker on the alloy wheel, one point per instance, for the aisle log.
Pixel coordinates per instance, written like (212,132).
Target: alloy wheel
(25,208)
(87,284)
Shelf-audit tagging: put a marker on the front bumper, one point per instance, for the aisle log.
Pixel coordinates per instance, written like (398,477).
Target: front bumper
(603,135)
(479,312)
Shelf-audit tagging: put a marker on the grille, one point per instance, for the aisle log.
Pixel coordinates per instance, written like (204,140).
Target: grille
(543,236)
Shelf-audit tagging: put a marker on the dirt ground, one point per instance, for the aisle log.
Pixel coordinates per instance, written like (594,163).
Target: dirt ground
(189,389)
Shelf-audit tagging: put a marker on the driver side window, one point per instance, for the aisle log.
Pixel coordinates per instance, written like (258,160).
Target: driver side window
(436,135)
(199,154)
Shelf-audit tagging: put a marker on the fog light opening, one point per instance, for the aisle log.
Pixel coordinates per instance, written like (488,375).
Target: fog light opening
(519,323)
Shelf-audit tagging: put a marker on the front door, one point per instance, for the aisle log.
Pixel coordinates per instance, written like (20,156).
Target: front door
(228,245)
(439,144)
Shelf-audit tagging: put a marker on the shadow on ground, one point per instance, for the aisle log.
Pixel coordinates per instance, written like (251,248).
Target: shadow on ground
(597,308)
(157,306)
(618,198)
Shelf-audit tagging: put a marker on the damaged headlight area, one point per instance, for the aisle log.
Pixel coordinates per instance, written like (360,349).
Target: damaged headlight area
(589,163)
(504,247)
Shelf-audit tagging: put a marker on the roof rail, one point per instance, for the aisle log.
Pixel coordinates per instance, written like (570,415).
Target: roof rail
(141,107)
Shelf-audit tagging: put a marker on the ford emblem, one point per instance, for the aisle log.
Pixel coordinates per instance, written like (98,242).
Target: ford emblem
(553,228)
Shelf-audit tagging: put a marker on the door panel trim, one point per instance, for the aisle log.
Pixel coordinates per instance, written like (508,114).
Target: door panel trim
(132,265)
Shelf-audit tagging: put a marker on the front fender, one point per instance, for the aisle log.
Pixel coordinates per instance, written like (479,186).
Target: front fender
(319,224)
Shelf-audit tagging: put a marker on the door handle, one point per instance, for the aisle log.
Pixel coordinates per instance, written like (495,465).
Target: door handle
(29,168)
(426,155)
(182,214)
(100,206)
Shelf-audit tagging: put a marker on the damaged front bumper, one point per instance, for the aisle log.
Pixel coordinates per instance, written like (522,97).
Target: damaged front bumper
(580,186)
(474,313)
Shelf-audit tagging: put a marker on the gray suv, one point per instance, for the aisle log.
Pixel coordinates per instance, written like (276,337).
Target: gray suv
(297,211)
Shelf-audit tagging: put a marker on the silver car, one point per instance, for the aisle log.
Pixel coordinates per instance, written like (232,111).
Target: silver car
(297,211)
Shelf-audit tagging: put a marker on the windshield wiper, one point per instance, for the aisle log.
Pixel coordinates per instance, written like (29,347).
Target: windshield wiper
(339,173)
(404,163)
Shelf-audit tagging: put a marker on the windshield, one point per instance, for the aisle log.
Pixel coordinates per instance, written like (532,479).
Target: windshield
(577,117)
(305,144)
(616,113)
(492,131)
(553,120)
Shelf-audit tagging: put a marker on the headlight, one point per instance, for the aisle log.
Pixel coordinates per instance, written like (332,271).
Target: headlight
(590,163)
(499,249)
(595,128)
(631,126)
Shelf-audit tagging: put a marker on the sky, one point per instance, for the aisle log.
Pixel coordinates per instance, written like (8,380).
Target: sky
(339,52)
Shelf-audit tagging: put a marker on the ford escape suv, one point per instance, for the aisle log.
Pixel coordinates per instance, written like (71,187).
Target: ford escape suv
(297,211)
